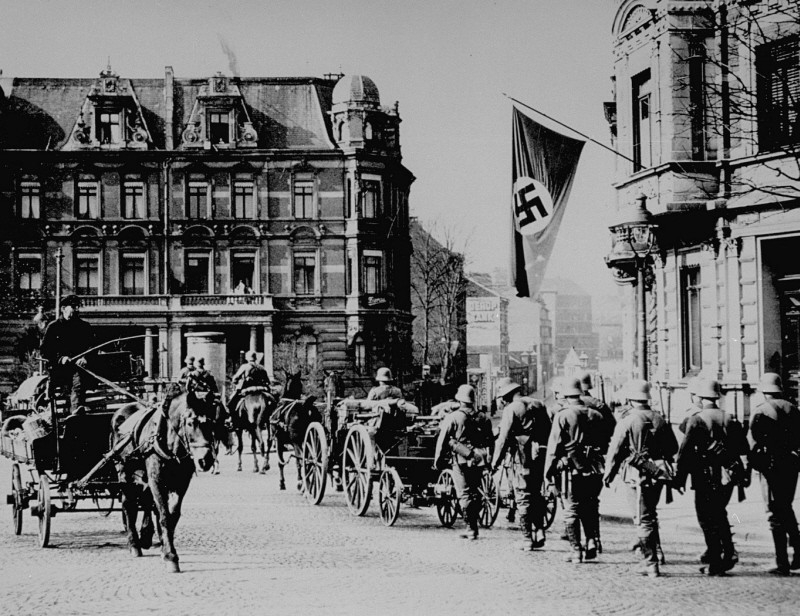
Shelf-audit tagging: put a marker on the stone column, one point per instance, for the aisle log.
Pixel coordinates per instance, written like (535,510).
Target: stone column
(175,359)
(163,355)
(253,337)
(268,349)
(148,351)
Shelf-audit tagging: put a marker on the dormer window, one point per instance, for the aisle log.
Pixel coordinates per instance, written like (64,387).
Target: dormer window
(108,127)
(219,127)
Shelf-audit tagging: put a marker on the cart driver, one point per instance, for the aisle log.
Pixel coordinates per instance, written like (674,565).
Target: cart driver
(385,389)
(64,346)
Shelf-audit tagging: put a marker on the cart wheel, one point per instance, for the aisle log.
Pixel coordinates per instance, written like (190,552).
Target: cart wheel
(357,462)
(490,500)
(390,487)
(44,511)
(314,463)
(447,504)
(550,507)
(18,505)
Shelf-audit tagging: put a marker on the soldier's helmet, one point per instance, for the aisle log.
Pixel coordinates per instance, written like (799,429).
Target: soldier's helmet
(571,387)
(586,380)
(71,300)
(384,375)
(506,386)
(770,384)
(189,359)
(250,355)
(201,361)
(466,394)
(637,390)
(707,388)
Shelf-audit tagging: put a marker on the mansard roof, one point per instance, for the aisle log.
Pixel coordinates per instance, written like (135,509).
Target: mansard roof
(287,113)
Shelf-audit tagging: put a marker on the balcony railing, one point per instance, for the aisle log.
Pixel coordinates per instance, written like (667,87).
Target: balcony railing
(225,301)
(177,303)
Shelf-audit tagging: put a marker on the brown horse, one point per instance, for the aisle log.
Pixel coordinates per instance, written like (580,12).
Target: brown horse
(251,415)
(156,466)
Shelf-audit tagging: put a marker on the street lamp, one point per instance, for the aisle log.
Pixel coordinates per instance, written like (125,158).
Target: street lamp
(633,242)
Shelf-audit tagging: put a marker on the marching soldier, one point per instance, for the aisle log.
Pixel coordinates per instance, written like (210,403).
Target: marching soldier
(249,374)
(643,441)
(463,435)
(577,444)
(775,430)
(595,403)
(712,453)
(384,390)
(524,430)
(67,337)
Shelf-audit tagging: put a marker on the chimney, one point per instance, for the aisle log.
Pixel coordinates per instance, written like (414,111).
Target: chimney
(168,107)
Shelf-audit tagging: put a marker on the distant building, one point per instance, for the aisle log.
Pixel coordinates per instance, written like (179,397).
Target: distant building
(487,338)
(570,309)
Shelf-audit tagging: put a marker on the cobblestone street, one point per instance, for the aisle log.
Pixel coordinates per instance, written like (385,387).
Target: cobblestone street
(247,548)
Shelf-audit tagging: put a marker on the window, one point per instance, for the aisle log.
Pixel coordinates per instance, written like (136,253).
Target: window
(243,201)
(367,131)
(370,198)
(108,127)
(29,199)
(360,355)
(133,205)
(307,351)
(197,278)
(691,329)
(778,91)
(243,266)
(87,274)
(132,274)
(304,199)
(29,271)
(304,270)
(218,127)
(88,202)
(697,56)
(642,154)
(197,200)
(373,271)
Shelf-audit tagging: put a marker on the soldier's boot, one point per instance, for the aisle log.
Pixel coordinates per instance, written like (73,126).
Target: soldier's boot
(649,569)
(538,538)
(575,554)
(704,558)
(591,549)
(781,553)
(794,541)
(729,554)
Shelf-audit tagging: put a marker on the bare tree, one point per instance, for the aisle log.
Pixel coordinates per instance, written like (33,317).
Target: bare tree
(438,290)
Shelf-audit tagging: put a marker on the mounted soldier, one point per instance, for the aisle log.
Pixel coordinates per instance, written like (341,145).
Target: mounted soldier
(775,430)
(524,430)
(249,374)
(188,368)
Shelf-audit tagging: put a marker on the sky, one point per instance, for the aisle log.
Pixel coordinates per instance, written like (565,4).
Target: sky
(447,62)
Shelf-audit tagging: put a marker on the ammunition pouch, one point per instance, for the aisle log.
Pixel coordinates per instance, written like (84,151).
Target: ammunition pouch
(651,471)
(723,465)
(585,459)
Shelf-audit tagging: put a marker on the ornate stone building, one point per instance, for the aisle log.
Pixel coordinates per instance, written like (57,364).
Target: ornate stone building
(706,109)
(273,210)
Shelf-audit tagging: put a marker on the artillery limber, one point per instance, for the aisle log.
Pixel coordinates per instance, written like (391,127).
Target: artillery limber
(363,443)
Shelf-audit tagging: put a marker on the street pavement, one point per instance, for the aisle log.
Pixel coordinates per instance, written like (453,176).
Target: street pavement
(248,548)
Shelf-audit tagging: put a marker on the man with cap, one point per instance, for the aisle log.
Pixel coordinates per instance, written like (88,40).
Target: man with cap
(384,389)
(714,444)
(775,430)
(188,368)
(524,430)
(577,445)
(463,435)
(642,441)
(249,374)
(201,379)
(64,345)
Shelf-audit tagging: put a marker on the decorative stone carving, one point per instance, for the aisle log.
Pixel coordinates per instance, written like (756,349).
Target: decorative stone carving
(191,134)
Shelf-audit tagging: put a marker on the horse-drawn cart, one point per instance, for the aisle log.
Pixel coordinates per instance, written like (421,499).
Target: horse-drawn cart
(385,443)
(60,461)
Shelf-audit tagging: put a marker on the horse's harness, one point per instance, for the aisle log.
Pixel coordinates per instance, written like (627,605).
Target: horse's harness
(153,443)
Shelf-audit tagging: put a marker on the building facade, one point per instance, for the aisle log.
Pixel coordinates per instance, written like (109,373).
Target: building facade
(272,210)
(570,309)
(705,107)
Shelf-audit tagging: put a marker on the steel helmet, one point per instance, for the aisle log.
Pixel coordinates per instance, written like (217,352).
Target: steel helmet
(384,374)
(506,386)
(201,361)
(250,355)
(189,359)
(771,384)
(707,388)
(586,380)
(638,390)
(466,394)
(571,387)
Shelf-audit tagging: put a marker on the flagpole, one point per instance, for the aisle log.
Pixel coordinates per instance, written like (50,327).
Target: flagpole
(567,126)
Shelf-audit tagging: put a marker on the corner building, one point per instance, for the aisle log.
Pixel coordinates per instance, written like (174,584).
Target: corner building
(705,105)
(273,210)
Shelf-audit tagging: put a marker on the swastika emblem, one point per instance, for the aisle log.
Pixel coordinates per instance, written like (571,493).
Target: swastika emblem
(533,205)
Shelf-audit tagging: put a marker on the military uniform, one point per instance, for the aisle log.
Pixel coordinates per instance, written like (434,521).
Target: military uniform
(775,429)
(577,443)
(384,391)
(524,430)
(249,374)
(711,481)
(465,427)
(642,435)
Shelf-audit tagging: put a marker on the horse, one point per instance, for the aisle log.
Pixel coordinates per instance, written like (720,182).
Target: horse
(251,415)
(290,420)
(155,472)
